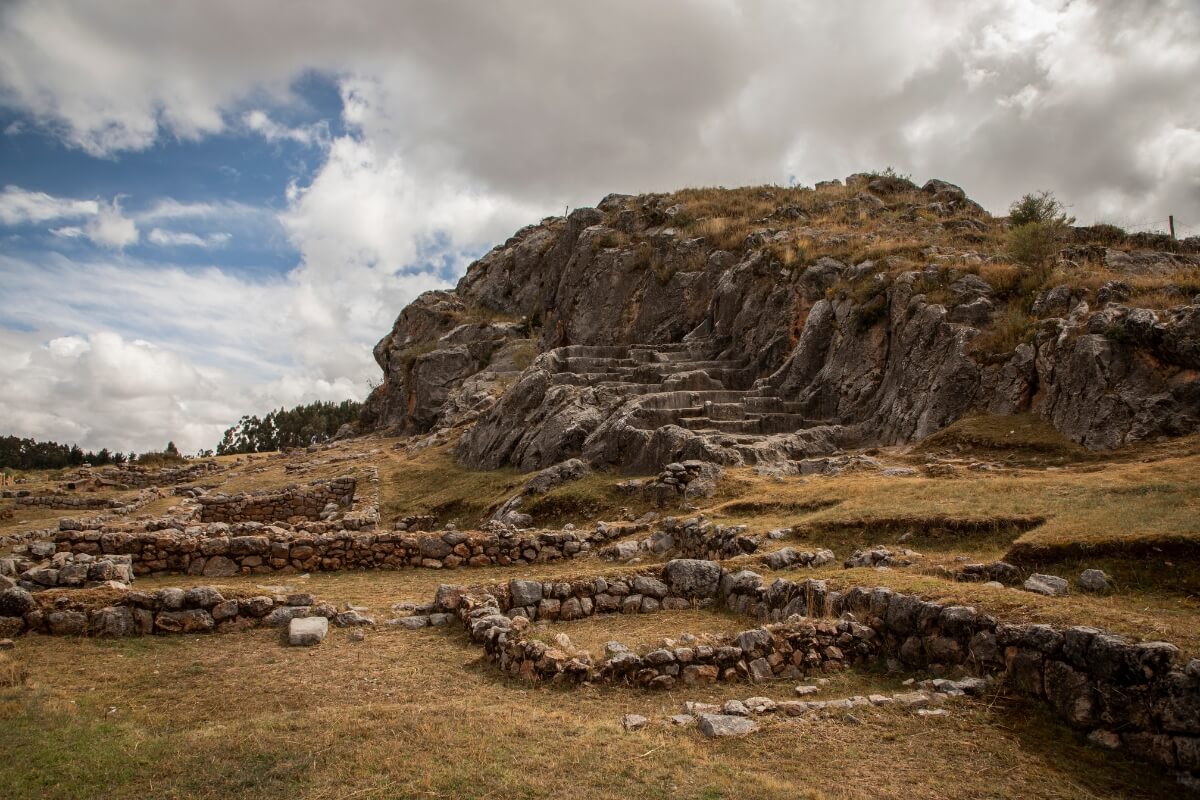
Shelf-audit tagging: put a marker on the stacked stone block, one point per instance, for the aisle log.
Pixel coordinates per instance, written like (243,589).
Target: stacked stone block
(292,503)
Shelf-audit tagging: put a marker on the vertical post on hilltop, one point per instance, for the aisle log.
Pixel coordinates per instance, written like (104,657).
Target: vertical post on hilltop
(1171,222)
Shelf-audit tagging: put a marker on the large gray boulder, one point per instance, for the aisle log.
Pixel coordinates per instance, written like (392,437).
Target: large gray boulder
(113,621)
(692,578)
(524,593)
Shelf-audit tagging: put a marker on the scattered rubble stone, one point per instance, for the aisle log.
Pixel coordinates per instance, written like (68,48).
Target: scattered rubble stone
(684,480)
(687,538)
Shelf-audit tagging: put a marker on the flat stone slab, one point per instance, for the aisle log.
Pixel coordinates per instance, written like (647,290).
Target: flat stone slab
(1049,585)
(307,631)
(717,725)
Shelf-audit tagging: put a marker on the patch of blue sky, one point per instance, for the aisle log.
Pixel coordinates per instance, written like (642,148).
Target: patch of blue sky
(213,200)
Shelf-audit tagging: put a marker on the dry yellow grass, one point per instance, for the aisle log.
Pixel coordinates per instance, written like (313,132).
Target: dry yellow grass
(418,714)
(414,715)
(633,630)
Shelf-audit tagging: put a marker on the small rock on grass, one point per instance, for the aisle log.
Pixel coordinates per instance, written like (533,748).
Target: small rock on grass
(1094,580)
(307,631)
(760,705)
(1049,585)
(719,725)
(734,708)
(633,722)
(805,690)
(681,720)
(7,644)
(932,712)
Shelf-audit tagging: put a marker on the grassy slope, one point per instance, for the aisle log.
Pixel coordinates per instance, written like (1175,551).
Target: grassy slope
(418,715)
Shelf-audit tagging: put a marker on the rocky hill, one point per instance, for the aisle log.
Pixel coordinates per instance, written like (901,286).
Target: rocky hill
(763,325)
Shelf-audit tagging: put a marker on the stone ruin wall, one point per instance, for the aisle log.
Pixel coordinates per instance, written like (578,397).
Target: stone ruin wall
(65,571)
(78,503)
(224,555)
(65,501)
(292,503)
(201,609)
(1127,695)
(142,478)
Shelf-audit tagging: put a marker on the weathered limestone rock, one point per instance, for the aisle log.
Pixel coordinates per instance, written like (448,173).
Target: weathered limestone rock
(113,621)
(1050,585)
(307,631)
(725,356)
(1095,581)
(722,725)
(634,722)
(692,578)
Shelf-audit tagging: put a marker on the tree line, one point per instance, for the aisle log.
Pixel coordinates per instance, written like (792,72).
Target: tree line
(295,427)
(24,454)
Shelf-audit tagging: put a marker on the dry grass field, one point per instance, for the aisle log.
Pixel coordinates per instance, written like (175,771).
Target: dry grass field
(419,714)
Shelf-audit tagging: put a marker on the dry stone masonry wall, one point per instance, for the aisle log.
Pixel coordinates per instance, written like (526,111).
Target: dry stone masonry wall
(201,609)
(291,504)
(65,571)
(695,537)
(1129,695)
(224,550)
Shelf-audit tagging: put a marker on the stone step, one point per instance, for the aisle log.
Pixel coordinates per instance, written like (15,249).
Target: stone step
(763,425)
(691,399)
(767,404)
(725,411)
(592,351)
(591,364)
(584,378)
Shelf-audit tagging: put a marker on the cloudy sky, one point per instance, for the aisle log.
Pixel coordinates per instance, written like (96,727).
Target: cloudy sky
(216,208)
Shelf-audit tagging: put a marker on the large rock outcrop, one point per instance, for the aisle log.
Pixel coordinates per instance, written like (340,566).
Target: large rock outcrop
(665,327)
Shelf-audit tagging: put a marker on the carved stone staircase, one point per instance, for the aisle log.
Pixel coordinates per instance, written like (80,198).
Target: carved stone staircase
(676,384)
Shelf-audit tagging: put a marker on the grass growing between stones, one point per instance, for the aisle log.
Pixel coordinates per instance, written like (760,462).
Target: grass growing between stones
(413,715)
(632,630)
